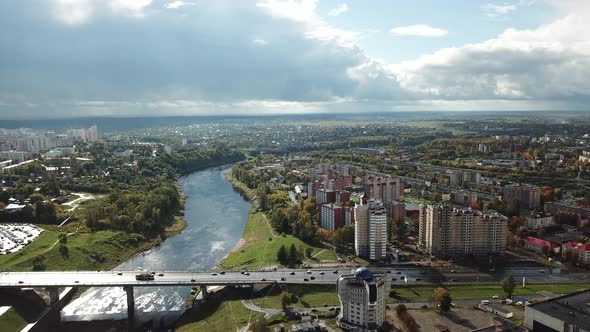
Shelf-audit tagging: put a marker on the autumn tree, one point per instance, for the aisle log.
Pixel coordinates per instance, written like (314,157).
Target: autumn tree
(442,297)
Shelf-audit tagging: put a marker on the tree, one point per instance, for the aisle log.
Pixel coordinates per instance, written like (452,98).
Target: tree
(63,250)
(285,300)
(259,325)
(39,263)
(293,255)
(442,297)
(508,285)
(308,252)
(63,238)
(282,255)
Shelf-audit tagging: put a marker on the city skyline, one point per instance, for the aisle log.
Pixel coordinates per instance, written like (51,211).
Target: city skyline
(81,58)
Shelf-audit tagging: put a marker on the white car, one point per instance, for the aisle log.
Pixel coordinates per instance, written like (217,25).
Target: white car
(519,303)
(495,297)
(308,272)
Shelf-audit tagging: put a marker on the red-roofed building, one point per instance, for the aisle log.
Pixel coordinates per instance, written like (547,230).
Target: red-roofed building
(581,249)
(536,244)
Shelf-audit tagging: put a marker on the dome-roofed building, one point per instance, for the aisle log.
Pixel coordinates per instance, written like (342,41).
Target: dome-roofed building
(363,298)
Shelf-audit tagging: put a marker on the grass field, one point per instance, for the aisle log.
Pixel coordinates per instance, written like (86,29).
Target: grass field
(260,246)
(309,296)
(100,250)
(464,292)
(11,321)
(228,315)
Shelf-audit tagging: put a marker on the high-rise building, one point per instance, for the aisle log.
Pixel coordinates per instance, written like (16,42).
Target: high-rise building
(528,196)
(362,298)
(384,188)
(446,231)
(92,134)
(370,229)
(331,217)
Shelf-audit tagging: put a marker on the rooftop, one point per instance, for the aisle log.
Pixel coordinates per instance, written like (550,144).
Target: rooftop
(572,308)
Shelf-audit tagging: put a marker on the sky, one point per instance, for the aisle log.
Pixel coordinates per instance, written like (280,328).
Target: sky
(73,58)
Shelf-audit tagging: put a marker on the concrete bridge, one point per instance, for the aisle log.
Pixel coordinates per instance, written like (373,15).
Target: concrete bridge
(53,281)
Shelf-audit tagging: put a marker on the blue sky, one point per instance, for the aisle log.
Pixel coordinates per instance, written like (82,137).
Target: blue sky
(62,58)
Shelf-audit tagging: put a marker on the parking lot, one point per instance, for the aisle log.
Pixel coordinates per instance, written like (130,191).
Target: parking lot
(14,237)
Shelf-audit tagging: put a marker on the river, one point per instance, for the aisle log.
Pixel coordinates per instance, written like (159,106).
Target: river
(215,216)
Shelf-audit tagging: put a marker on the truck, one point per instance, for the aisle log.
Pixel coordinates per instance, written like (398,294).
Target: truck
(144,276)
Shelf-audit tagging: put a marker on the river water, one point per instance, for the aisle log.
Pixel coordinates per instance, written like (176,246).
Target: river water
(216,216)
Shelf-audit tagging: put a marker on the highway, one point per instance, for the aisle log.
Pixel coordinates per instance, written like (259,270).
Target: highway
(399,276)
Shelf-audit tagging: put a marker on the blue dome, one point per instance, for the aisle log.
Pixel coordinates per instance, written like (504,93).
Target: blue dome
(363,273)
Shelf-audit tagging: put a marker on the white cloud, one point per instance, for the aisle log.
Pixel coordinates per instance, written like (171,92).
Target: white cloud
(177,4)
(73,11)
(260,42)
(547,63)
(341,9)
(296,10)
(492,10)
(419,30)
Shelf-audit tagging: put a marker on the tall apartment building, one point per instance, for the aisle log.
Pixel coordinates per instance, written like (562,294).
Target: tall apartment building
(528,196)
(370,229)
(384,188)
(446,231)
(331,217)
(323,196)
(363,299)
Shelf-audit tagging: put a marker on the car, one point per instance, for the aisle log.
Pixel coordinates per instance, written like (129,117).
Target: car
(485,301)
(322,273)
(76,282)
(20,282)
(246,273)
(519,303)
(222,272)
(283,279)
(332,309)
(492,270)
(314,310)
(387,271)
(398,272)
(508,301)
(424,306)
(422,272)
(292,273)
(454,279)
(453,271)
(274,268)
(393,279)
(418,279)
(495,297)
(305,279)
(312,278)
(335,272)
(193,280)
(243,272)
(213,273)
(160,274)
(542,271)
(144,276)
(262,279)
(402,278)
(308,271)
(120,273)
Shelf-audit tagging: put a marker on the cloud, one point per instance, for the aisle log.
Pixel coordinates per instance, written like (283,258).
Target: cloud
(76,12)
(260,42)
(419,30)
(177,4)
(546,63)
(341,9)
(492,10)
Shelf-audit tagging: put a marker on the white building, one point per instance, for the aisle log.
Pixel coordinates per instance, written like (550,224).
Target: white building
(539,220)
(370,229)
(561,314)
(362,301)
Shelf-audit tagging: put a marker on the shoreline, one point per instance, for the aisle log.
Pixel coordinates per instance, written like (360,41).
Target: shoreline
(245,193)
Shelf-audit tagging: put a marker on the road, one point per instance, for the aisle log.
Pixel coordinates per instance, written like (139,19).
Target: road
(325,276)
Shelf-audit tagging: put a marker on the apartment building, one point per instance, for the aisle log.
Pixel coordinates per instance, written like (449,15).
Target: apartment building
(447,231)
(370,229)
(363,297)
(528,196)
(581,250)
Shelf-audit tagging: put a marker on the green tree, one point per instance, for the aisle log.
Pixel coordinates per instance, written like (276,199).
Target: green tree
(293,255)
(39,263)
(285,300)
(63,250)
(259,325)
(282,255)
(63,238)
(508,285)
(308,252)
(442,297)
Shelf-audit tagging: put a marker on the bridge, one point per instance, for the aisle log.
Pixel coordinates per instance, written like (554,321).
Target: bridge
(53,281)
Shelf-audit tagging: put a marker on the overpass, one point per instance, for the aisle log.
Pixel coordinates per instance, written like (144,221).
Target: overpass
(53,281)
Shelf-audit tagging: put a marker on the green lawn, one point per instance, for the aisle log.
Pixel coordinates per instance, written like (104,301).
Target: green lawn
(326,255)
(11,321)
(258,251)
(309,296)
(86,251)
(464,292)
(219,316)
